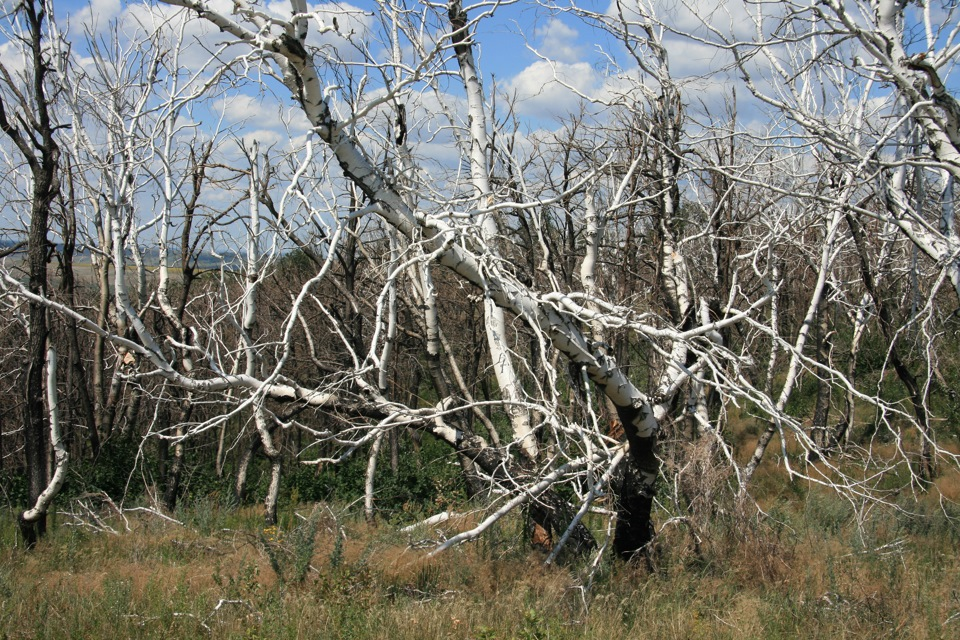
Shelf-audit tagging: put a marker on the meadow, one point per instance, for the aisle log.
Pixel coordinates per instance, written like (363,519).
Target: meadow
(811,566)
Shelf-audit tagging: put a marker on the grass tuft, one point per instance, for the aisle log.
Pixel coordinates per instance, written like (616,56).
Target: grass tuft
(811,568)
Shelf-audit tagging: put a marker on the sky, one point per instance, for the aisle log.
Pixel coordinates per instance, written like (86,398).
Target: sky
(516,43)
(513,49)
(523,51)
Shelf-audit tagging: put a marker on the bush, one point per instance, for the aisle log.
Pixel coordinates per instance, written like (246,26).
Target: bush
(427,479)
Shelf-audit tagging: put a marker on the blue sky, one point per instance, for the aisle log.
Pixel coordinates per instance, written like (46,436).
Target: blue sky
(571,44)
(504,42)
(572,47)
(503,49)
(503,46)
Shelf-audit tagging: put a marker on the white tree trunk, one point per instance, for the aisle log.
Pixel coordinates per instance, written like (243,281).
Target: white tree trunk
(827,255)
(496,325)
(62,456)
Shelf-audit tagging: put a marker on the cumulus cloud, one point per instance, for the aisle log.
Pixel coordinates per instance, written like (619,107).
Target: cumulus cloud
(11,55)
(264,137)
(688,58)
(264,112)
(559,42)
(697,17)
(244,108)
(92,17)
(546,88)
(351,20)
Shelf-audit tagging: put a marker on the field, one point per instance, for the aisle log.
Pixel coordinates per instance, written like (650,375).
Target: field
(813,567)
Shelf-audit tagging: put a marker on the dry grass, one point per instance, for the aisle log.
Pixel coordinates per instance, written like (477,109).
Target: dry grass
(806,571)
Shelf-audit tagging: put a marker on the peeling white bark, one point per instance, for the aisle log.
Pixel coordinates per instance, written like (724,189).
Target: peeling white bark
(61,455)
(252,275)
(496,326)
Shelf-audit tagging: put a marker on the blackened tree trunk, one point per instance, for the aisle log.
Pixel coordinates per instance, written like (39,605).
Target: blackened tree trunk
(927,463)
(30,127)
(77,372)
(819,431)
(637,488)
(175,475)
(634,530)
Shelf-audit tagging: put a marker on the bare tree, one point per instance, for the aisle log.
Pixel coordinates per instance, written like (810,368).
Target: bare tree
(28,121)
(647,269)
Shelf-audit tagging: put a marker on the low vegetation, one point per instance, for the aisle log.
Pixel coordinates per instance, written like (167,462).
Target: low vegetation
(814,567)
(695,333)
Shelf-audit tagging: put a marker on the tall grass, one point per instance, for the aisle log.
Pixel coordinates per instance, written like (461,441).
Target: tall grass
(813,568)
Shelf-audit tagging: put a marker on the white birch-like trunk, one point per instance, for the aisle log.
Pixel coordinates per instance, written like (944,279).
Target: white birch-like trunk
(930,104)
(61,455)
(425,294)
(440,237)
(383,377)
(592,238)
(273,492)
(501,356)
(252,276)
(368,485)
(248,327)
(265,430)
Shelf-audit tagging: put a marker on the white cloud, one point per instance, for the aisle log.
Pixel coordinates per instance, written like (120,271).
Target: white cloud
(696,17)
(264,137)
(263,112)
(546,89)
(351,20)
(93,17)
(245,108)
(688,58)
(172,28)
(11,55)
(559,42)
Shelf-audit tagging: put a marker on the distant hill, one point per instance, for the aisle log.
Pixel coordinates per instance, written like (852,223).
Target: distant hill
(151,256)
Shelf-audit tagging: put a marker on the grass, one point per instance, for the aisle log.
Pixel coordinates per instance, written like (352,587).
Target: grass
(808,570)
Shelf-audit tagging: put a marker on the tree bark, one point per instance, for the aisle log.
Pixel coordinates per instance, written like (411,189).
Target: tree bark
(243,469)
(820,433)
(927,463)
(35,141)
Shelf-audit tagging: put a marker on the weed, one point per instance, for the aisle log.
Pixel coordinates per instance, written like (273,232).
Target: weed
(245,585)
(290,554)
(806,570)
(534,626)
(336,554)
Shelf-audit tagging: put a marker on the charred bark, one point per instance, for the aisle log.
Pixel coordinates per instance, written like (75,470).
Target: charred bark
(927,463)
(32,130)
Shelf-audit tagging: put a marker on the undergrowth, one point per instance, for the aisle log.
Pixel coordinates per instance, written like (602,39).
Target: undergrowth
(812,568)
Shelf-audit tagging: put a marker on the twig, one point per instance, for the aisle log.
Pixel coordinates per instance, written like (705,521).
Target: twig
(155,513)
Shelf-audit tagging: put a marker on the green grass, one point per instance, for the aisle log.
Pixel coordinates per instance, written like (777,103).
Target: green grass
(807,571)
